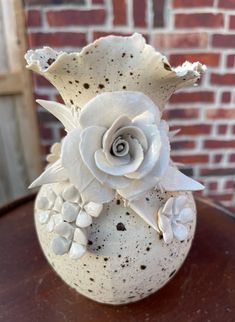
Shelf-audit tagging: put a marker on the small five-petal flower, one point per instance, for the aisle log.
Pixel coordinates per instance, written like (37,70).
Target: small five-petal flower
(173,217)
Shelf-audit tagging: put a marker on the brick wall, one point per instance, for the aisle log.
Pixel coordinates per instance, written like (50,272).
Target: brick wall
(183,30)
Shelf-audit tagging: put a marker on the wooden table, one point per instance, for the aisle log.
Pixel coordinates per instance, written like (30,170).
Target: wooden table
(203,290)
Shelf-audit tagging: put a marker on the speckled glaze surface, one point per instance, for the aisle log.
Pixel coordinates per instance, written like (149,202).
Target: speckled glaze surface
(127,259)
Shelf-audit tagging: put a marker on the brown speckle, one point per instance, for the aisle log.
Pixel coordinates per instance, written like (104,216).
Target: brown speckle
(172,273)
(101,86)
(86,85)
(50,61)
(120,226)
(142,267)
(167,67)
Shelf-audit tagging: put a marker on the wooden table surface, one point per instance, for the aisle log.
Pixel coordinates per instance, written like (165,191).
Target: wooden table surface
(203,290)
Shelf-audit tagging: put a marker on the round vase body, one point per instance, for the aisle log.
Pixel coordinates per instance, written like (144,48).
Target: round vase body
(126,259)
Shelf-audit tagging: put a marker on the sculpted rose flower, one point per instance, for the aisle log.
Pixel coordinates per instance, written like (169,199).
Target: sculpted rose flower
(123,146)
(114,92)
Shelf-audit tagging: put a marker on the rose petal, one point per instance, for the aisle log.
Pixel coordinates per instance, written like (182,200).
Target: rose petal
(54,173)
(115,63)
(134,132)
(147,118)
(110,134)
(116,161)
(89,187)
(91,141)
(136,153)
(180,231)
(152,154)
(106,108)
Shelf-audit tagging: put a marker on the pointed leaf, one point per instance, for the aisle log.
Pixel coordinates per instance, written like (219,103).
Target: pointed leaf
(54,173)
(146,211)
(174,180)
(61,112)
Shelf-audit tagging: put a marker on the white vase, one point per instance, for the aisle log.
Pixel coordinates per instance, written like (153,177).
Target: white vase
(126,260)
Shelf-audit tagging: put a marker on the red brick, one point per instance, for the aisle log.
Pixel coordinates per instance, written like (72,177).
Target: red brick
(230,60)
(232,22)
(54,2)
(197,158)
(76,17)
(217,144)
(222,128)
(40,81)
(183,144)
(33,18)
(223,40)
(191,97)
(98,34)
(41,96)
(217,158)
(223,79)
(57,39)
(226,97)
(119,12)
(97,1)
(213,185)
(181,40)
(45,133)
(229,184)
(59,99)
(181,113)
(192,3)
(46,117)
(62,132)
(210,59)
(217,171)
(193,129)
(226,4)
(193,20)
(220,113)
(139,13)
(158,13)
(232,157)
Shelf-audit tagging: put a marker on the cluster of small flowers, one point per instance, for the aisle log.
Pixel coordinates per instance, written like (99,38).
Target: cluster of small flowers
(62,213)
